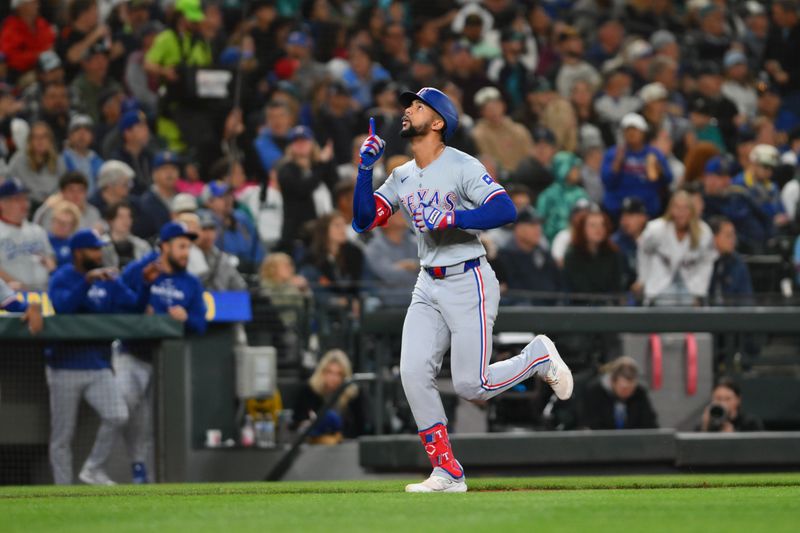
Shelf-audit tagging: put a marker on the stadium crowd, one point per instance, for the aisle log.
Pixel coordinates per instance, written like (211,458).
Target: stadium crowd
(646,144)
(649,146)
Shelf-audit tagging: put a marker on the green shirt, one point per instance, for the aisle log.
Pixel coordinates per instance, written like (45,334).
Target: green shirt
(166,50)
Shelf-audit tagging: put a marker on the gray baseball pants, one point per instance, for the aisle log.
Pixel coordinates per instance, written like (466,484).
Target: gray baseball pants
(458,312)
(134,378)
(67,388)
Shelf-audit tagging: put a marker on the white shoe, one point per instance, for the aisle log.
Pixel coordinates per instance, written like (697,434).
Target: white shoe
(558,376)
(438,484)
(95,477)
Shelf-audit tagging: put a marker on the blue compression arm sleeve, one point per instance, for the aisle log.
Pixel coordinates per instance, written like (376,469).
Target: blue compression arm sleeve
(497,212)
(363,201)
(15,306)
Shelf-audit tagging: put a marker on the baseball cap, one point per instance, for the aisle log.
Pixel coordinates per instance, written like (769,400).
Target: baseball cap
(166,158)
(80,121)
(183,202)
(207,220)
(86,238)
(639,49)
(634,120)
(99,47)
(214,189)
(633,205)
(12,187)
(48,61)
(173,230)
(298,38)
(542,134)
(486,95)
(132,118)
(528,215)
(700,105)
(581,204)
(734,57)
(652,92)
(764,154)
(719,165)
(191,9)
(300,132)
(538,84)
(662,38)
(112,171)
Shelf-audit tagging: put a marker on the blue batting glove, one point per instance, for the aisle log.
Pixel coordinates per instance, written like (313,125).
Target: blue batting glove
(428,218)
(372,149)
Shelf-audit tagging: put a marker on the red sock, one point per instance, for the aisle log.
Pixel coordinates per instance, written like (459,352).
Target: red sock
(437,446)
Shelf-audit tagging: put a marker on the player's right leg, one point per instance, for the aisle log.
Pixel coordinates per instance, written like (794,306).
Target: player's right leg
(105,398)
(426,338)
(66,390)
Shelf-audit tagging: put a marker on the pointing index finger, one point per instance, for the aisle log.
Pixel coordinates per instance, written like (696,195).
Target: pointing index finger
(372,126)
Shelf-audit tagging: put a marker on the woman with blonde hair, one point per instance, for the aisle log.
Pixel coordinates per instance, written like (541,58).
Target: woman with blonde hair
(345,419)
(64,221)
(676,255)
(38,165)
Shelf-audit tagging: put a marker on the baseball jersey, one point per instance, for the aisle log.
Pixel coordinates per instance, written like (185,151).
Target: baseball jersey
(21,251)
(453,181)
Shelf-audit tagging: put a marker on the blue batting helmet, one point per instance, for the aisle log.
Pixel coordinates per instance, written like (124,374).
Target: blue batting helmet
(440,103)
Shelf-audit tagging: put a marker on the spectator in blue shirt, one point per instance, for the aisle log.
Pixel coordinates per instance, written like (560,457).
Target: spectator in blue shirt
(634,168)
(78,155)
(730,282)
(753,227)
(273,137)
(82,370)
(758,178)
(237,234)
(362,74)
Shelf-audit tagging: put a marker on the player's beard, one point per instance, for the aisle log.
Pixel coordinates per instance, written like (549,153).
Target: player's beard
(87,264)
(174,265)
(414,131)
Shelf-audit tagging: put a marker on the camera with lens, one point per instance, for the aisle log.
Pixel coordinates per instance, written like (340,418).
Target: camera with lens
(717,416)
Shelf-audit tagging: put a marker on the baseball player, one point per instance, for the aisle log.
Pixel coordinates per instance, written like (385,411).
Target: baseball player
(77,370)
(449,197)
(163,286)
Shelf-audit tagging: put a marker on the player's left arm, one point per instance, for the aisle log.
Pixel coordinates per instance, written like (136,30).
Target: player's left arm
(495,207)
(196,320)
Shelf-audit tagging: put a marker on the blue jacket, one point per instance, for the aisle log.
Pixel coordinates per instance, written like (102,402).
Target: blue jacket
(631,180)
(753,227)
(150,214)
(238,236)
(730,281)
(62,250)
(167,290)
(89,166)
(269,149)
(70,293)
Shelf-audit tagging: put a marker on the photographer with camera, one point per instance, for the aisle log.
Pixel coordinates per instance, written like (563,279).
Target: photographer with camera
(724,414)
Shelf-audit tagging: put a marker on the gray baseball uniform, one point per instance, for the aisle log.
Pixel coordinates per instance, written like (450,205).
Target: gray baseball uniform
(22,249)
(455,300)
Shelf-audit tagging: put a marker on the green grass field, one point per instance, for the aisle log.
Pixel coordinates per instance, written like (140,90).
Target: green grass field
(685,503)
